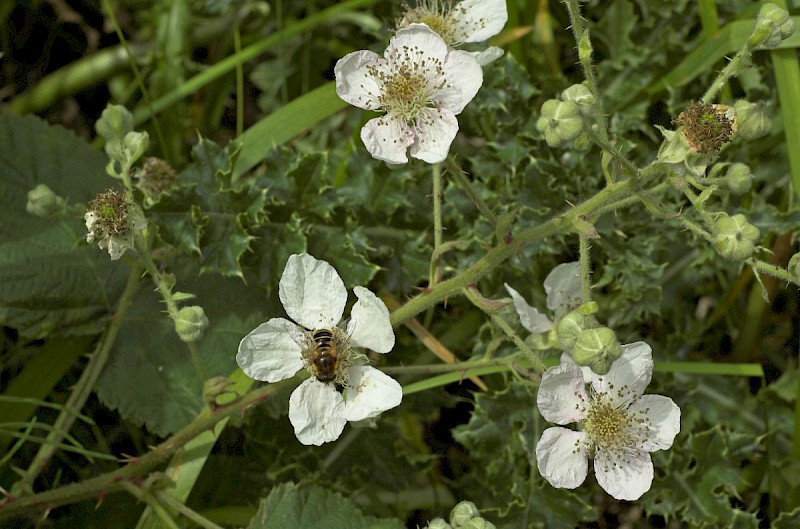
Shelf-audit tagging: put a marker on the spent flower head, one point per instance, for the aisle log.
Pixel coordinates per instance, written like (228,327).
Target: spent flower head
(707,127)
(340,389)
(421,86)
(112,221)
(618,425)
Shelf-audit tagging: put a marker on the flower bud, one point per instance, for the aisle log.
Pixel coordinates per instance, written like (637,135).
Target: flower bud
(438,523)
(794,266)
(582,96)
(191,323)
(773,25)
(734,237)
(752,121)
(478,523)
(42,202)
(739,178)
(570,327)
(462,513)
(217,392)
(560,122)
(597,349)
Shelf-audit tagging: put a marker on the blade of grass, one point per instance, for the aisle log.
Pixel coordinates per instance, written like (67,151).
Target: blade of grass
(250,52)
(38,378)
(713,49)
(286,123)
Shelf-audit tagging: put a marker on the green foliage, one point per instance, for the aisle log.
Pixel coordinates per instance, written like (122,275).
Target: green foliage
(300,180)
(37,298)
(290,505)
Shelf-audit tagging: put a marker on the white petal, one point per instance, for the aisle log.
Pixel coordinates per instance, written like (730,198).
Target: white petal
(312,292)
(559,461)
(477,20)
(531,319)
(354,82)
(664,417)
(418,40)
(626,481)
(632,371)
(315,412)
(370,392)
(562,394)
(435,131)
(464,78)
(387,138)
(369,324)
(271,352)
(487,56)
(563,287)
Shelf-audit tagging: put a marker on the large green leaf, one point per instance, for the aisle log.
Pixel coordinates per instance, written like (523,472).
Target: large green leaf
(311,507)
(150,377)
(49,284)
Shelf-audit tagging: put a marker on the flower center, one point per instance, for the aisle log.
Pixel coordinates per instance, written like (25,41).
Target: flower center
(409,81)
(436,15)
(616,432)
(111,213)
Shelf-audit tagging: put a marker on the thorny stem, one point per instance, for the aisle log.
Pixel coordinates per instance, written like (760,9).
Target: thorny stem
(473,296)
(505,250)
(437,225)
(734,66)
(586,270)
(581,33)
(166,293)
(463,182)
(83,388)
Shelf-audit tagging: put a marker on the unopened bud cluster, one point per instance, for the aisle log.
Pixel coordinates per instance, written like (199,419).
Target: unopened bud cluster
(562,120)
(592,345)
(734,238)
(190,323)
(465,515)
(773,26)
(42,202)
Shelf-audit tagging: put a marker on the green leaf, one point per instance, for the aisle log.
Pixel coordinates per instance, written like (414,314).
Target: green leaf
(48,283)
(150,377)
(310,507)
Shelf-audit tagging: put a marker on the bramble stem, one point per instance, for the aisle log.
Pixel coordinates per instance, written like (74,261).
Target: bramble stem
(586,270)
(437,225)
(584,43)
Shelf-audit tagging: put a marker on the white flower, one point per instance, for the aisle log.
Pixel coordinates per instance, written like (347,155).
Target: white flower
(420,84)
(314,296)
(619,425)
(467,21)
(563,288)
